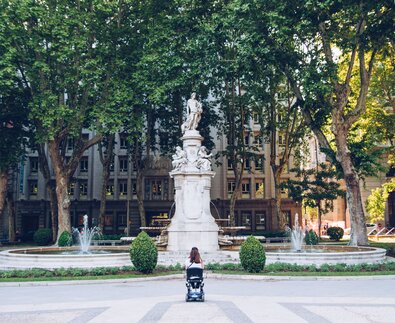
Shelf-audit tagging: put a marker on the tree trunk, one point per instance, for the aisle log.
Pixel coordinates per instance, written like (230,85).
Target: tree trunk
(358,235)
(232,206)
(106,159)
(319,217)
(140,198)
(3,189)
(281,219)
(102,211)
(62,183)
(11,217)
(51,189)
(54,209)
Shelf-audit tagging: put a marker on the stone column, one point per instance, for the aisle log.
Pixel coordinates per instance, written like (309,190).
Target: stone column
(192,224)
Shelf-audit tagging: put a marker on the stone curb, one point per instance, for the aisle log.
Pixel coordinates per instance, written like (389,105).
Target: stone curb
(207,275)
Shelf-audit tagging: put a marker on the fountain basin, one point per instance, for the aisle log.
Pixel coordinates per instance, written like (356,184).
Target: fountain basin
(118,256)
(319,255)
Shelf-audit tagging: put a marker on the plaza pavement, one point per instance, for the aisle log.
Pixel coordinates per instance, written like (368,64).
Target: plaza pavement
(228,299)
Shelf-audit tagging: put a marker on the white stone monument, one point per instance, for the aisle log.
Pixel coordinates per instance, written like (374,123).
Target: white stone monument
(192,224)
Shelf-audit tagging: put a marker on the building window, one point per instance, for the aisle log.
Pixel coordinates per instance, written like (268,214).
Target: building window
(110,189)
(281,140)
(156,189)
(70,143)
(260,219)
(229,164)
(83,188)
(134,188)
(259,163)
(258,141)
(112,166)
(246,219)
(247,165)
(123,188)
(33,188)
(85,136)
(259,189)
(121,223)
(231,187)
(122,219)
(245,188)
(123,164)
(71,189)
(123,142)
(84,165)
(33,164)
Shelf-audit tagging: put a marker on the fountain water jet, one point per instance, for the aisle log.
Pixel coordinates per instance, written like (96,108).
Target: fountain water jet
(297,235)
(85,236)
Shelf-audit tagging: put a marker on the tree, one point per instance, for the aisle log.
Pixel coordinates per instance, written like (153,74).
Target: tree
(63,61)
(284,128)
(312,40)
(13,123)
(375,204)
(316,188)
(13,118)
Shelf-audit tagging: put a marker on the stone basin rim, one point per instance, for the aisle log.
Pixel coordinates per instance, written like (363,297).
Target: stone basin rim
(41,251)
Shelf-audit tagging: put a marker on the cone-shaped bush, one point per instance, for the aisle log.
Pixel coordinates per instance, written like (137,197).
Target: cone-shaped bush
(65,239)
(311,238)
(143,253)
(42,237)
(335,233)
(252,255)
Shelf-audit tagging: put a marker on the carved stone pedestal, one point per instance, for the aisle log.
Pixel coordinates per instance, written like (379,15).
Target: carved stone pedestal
(192,224)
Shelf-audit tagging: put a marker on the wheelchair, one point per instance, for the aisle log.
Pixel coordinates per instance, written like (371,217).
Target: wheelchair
(194,285)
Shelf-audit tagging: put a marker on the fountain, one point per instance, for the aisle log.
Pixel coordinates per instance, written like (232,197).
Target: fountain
(297,235)
(85,236)
(191,225)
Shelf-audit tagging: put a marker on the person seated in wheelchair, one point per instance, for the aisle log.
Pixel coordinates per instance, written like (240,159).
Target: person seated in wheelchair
(194,270)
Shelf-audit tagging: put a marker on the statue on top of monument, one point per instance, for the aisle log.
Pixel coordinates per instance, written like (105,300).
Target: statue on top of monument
(194,110)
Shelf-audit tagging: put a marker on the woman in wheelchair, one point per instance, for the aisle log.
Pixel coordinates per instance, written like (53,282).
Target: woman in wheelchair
(194,270)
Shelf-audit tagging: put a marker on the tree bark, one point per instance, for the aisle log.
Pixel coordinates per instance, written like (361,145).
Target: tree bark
(51,189)
(358,236)
(3,189)
(106,160)
(140,197)
(11,216)
(62,183)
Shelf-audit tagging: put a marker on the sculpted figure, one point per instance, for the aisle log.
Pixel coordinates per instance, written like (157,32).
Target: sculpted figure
(179,158)
(203,162)
(194,110)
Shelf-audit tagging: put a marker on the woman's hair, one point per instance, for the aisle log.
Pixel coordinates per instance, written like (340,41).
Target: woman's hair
(194,256)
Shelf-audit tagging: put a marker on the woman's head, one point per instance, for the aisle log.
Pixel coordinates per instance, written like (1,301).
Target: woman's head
(194,255)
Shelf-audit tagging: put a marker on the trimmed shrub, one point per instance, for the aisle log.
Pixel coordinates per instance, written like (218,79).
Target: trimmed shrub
(311,238)
(143,253)
(42,237)
(65,239)
(335,233)
(252,255)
